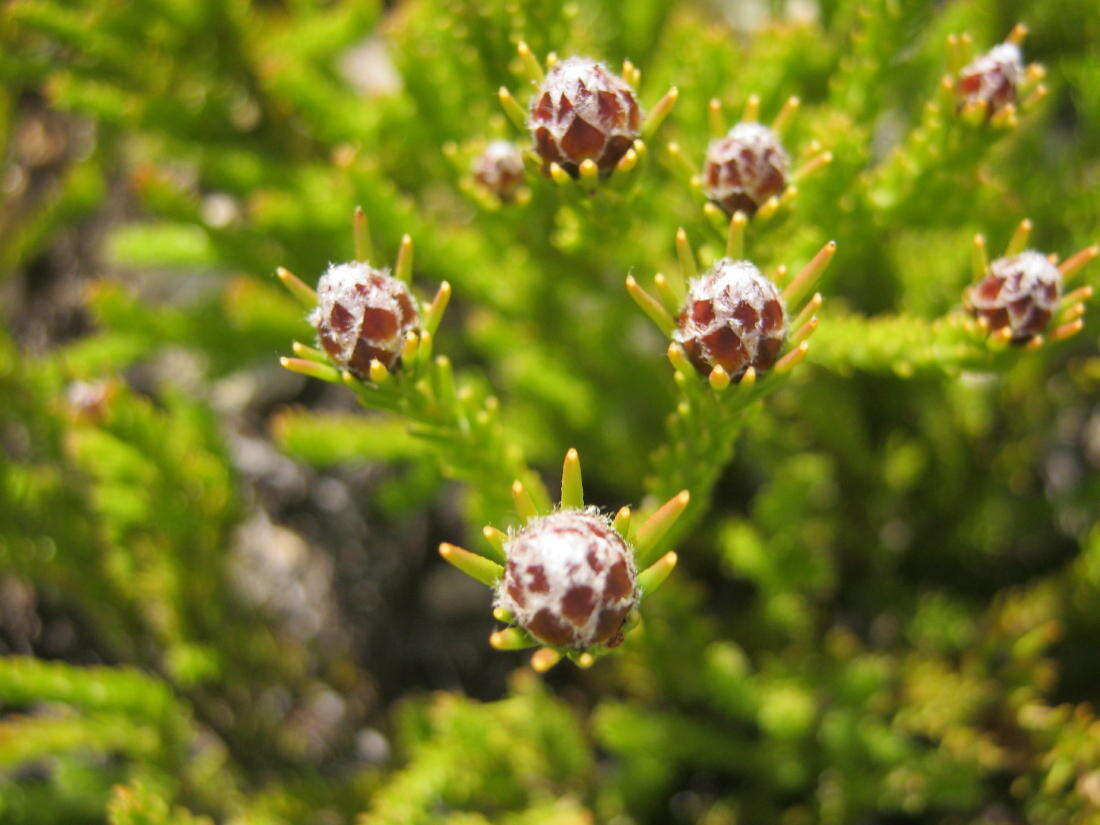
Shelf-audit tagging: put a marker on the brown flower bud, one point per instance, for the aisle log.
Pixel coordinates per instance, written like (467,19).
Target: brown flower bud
(991,78)
(745,168)
(363,314)
(500,169)
(570,580)
(90,400)
(1019,293)
(733,317)
(583,111)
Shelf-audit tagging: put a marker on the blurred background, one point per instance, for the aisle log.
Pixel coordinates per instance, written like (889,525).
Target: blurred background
(219,591)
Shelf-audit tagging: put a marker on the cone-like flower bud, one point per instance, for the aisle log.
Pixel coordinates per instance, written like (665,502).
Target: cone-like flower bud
(583,111)
(1019,293)
(745,168)
(570,580)
(363,314)
(90,400)
(500,169)
(733,317)
(991,79)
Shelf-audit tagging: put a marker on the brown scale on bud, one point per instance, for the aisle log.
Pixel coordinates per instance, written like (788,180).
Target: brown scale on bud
(733,317)
(500,169)
(363,314)
(583,111)
(570,580)
(1018,293)
(991,79)
(745,168)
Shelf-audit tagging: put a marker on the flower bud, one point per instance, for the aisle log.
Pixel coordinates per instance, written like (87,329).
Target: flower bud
(733,317)
(570,580)
(583,111)
(991,78)
(363,314)
(1019,293)
(745,168)
(500,169)
(90,400)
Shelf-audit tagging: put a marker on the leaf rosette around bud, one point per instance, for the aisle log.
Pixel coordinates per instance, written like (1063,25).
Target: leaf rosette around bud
(994,87)
(585,122)
(569,579)
(731,323)
(368,321)
(1019,296)
(747,169)
(1020,293)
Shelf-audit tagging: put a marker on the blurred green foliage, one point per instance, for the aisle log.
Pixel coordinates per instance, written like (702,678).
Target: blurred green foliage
(888,605)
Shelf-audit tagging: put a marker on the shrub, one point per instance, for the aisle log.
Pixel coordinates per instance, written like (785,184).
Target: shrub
(874,452)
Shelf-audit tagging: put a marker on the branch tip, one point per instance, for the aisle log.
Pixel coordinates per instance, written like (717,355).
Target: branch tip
(544,658)
(572,485)
(477,567)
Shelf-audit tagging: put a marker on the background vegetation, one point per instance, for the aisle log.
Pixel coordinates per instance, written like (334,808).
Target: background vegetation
(219,593)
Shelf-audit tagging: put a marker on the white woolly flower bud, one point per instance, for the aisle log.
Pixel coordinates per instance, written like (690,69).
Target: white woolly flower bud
(991,78)
(583,111)
(363,314)
(570,580)
(745,168)
(1019,292)
(500,169)
(733,317)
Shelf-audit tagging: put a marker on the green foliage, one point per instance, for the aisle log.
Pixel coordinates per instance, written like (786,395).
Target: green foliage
(139,806)
(496,759)
(886,607)
(82,716)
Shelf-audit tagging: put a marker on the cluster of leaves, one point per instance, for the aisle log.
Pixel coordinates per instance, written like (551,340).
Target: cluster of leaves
(888,605)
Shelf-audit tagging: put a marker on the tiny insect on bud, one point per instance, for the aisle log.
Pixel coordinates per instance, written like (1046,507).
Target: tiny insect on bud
(363,315)
(570,580)
(500,169)
(583,111)
(733,317)
(745,168)
(991,79)
(1018,295)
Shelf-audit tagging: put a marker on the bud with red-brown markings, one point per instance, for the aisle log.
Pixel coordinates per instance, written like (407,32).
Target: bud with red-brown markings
(583,111)
(499,168)
(570,580)
(733,317)
(991,79)
(1018,293)
(363,314)
(745,168)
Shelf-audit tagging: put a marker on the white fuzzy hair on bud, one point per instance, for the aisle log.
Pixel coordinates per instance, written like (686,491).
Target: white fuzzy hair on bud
(1004,57)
